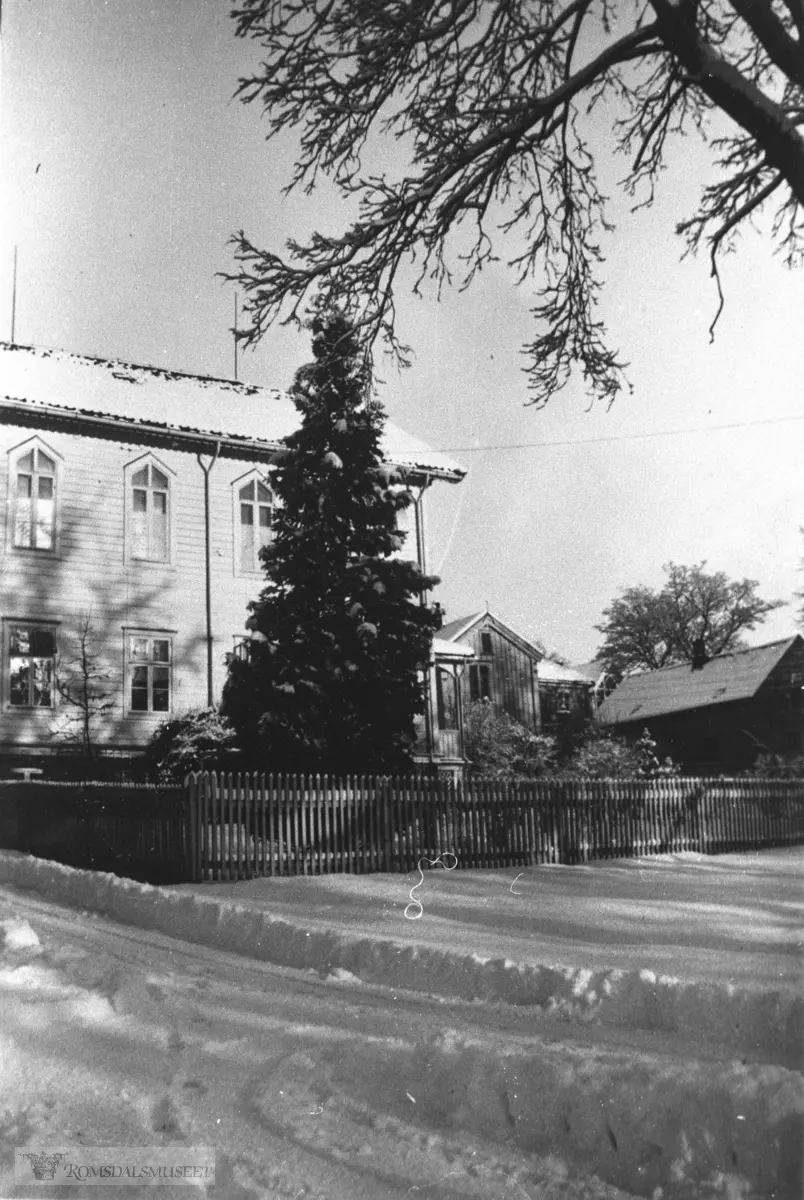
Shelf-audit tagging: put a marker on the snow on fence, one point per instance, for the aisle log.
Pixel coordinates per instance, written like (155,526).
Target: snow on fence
(242,826)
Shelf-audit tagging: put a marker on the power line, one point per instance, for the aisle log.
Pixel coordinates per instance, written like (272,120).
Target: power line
(626,437)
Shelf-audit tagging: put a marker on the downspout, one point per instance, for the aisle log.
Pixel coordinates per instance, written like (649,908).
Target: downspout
(418,512)
(208,567)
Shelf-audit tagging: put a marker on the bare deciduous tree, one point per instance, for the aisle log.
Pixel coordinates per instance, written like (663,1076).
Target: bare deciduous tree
(86,689)
(645,629)
(496,108)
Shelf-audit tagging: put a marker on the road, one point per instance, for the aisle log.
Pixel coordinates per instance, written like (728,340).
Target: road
(315,1084)
(304,1087)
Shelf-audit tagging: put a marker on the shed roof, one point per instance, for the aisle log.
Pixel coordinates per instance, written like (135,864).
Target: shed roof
(175,401)
(550,671)
(736,675)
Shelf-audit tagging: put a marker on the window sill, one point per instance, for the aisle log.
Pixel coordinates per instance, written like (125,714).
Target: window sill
(34,552)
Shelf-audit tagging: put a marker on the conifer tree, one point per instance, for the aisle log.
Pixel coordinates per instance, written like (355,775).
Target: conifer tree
(340,632)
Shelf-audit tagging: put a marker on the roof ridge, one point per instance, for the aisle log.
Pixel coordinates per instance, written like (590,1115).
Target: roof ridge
(49,351)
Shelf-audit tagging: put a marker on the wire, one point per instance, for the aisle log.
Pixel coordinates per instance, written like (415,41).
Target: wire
(626,437)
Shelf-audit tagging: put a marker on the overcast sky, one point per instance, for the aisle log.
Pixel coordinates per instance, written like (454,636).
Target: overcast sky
(126,166)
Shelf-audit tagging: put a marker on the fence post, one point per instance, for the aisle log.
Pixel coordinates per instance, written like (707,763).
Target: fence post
(191,833)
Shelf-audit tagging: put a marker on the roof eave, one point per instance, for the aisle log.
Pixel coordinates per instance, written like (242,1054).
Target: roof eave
(94,424)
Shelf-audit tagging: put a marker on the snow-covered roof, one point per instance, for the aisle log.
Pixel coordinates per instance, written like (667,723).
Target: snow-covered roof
(174,401)
(549,671)
(736,675)
(445,649)
(454,629)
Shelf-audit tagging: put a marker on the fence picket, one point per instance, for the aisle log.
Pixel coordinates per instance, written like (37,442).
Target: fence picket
(227,827)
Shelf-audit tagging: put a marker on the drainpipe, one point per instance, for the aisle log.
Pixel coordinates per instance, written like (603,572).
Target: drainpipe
(208,567)
(418,512)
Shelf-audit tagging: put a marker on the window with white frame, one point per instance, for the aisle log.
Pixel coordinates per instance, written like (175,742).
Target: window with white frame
(254,516)
(33,499)
(149,673)
(31,650)
(149,513)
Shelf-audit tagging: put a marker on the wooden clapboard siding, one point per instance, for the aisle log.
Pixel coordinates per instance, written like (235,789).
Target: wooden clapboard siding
(90,572)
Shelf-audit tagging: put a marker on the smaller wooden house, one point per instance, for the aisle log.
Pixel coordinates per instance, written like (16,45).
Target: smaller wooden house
(517,675)
(717,715)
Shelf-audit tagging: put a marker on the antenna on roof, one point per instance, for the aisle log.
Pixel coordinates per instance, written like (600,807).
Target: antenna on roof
(235,336)
(14,296)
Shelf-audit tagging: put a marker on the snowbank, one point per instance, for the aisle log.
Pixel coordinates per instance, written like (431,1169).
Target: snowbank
(761,1023)
(652,1117)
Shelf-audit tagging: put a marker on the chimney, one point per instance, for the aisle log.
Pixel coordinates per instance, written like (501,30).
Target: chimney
(699,655)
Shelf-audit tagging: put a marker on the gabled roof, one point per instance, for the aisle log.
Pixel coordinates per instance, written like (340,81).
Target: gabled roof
(727,677)
(113,393)
(547,669)
(455,629)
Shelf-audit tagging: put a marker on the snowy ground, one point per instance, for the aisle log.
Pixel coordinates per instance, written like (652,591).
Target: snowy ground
(310,1083)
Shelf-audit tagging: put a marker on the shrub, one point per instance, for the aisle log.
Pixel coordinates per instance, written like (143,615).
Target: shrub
(498,745)
(776,766)
(199,740)
(602,756)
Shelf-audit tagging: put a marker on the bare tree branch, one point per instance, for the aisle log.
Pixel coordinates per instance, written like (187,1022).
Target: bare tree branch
(488,102)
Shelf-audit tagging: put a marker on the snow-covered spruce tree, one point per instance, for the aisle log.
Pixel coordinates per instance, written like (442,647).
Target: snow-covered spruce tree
(340,631)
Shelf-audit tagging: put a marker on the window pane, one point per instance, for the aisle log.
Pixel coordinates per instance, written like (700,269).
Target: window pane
(45,465)
(42,643)
(42,682)
(158,479)
(247,492)
(139,647)
(20,669)
(161,689)
(140,479)
(45,487)
(247,559)
(140,501)
(44,524)
(139,689)
(264,494)
(265,517)
(26,463)
(24,486)
(159,545)
(20,641)
(474,683)
(160,502)
(161,650)
(447,700)
(139,536)
(246,514)
(23,523)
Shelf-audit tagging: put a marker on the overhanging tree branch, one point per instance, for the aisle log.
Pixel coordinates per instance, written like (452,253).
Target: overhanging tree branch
(488,101)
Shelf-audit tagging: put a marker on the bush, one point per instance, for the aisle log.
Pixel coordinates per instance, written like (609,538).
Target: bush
(498,745)
(776,766)
(199,740)
(602,756)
